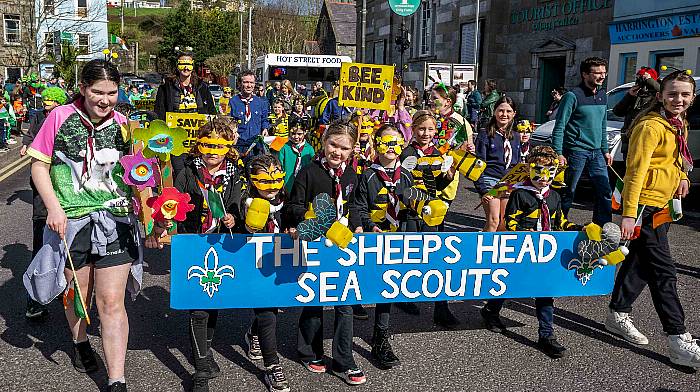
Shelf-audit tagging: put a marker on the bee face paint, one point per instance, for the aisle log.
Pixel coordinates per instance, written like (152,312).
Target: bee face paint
(214,146)
(185,65)
(389,142)
(272,179)
(544,173)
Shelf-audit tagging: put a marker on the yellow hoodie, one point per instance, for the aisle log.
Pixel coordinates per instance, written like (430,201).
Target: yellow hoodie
(654,165)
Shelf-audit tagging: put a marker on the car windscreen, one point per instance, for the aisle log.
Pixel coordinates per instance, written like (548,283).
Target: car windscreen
(613,98)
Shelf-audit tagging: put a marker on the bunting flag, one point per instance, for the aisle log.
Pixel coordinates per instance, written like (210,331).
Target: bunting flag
(671,213)
(115,40)
(216,204)
(617,195)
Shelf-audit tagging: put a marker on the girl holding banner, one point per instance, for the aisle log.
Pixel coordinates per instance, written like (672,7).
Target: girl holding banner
(90,222)
(330,173)
(656,179)
(499,146)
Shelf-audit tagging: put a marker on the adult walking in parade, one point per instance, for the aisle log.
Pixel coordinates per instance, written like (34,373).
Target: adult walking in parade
(250,111)
(580,138)
(183,92)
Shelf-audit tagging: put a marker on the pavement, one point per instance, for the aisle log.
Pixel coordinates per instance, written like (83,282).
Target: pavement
(34,356)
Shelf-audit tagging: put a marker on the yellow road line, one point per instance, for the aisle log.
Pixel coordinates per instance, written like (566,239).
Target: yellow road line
(14,167)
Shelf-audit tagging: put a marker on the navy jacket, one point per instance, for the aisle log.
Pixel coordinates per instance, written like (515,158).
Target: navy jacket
(491,150)
(248,130)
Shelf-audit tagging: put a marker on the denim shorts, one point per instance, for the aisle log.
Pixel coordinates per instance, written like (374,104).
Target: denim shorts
(486,183)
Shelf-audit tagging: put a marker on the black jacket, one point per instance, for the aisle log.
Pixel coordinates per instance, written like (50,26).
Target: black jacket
(523,212)
(312,180)
(186,182)
(371,196)
(35,123)
(168,98)
(630,106)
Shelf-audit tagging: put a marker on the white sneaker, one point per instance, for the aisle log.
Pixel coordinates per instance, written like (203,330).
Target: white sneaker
(621,324)
(684,350)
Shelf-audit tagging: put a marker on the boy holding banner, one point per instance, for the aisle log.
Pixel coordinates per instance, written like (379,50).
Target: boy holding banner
(533,206)
(213,179)
(656,179)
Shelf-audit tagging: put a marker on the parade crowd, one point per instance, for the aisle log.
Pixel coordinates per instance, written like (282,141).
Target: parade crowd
(358,158)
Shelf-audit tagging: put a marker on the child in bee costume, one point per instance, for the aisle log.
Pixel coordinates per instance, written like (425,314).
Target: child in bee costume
(534,206)
(433,173)
(213,169)
(262,211)
(364,149)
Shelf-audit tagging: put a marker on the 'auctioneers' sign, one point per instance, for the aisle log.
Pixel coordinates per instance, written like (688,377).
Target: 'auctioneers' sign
(271,270)
(366,86)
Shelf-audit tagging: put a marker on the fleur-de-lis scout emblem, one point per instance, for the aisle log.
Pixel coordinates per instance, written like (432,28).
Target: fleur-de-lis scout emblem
(210,278)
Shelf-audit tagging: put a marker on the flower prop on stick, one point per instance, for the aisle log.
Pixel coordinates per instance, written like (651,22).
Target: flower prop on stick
(140,171)
(171,204)
(161,141)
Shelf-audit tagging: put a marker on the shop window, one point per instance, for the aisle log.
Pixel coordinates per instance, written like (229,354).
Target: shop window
(628,67)
(12,28)
(670,58)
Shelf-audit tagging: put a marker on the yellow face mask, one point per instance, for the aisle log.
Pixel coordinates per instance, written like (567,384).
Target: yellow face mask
(185,65)
(214,146)
(272,179)
(386,142)
(544,173)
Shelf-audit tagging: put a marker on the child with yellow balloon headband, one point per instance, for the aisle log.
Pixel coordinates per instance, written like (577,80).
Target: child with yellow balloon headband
(364,148)
(534,206)
(262,210)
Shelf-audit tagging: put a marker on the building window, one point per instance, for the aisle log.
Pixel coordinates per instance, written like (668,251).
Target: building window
(466,48)
(82,9)
(82,43)
(48,44)
(425,26)
(379,52)
(12,28)
(628,67)
(13,74)
(669,58)
(49,7)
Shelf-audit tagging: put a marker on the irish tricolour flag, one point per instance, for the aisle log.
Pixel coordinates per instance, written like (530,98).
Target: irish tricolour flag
(671,213)
(617,195)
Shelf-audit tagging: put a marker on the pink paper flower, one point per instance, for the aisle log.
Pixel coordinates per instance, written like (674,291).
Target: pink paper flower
(140,171)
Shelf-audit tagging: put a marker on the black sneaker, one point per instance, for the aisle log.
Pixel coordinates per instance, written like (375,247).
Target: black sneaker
(382,351)
(408,308)
(551,347)
(117,387)
(492,321)
(35,311)
(200,382)
(254,352)
(84,358)
(443,317)
(275,379)
(359,312)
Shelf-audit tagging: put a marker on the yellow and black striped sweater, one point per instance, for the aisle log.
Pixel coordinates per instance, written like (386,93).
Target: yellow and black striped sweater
(523,212)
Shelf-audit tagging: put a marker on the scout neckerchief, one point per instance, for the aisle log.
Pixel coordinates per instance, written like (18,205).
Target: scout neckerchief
(507,148)
(297,149)
(273,225)
(79,106)
(541,196)
(390,183)
(247,102)
(337,187)
(426,151)
(218,182)
(683,150)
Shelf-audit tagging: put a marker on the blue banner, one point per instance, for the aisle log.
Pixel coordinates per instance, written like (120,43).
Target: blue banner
(656,28)
(219,271)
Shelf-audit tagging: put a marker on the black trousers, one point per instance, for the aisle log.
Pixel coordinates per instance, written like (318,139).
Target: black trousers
(265,328)
(38,219)
(650,263)
(310,337)
(201,331)
(382,313)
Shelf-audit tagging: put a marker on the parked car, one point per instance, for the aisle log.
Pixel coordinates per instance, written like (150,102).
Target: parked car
(543,133)
(153,78)
(216,91)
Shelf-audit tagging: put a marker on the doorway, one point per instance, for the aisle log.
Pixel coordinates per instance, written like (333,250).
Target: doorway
(552,75)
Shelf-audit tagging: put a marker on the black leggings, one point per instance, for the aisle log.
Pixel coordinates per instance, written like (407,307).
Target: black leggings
(265,328)
(202,326)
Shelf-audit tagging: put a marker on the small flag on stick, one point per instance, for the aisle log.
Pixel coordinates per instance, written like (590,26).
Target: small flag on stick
(81,311)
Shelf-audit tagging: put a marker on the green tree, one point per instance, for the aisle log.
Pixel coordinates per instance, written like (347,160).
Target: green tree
(66,67)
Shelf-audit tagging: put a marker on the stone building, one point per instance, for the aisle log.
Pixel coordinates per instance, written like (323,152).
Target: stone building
(16,40)
(335,31)
(528,46)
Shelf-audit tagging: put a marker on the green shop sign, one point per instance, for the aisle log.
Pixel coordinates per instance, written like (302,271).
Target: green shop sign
(404,7)
(550,15)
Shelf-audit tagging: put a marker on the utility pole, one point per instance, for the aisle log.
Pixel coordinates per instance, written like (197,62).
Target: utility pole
(250,35)
(476,43)
(121,32)
(241,9)
(364,31)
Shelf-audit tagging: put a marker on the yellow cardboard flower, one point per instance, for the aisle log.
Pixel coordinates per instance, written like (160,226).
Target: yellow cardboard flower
(161,141)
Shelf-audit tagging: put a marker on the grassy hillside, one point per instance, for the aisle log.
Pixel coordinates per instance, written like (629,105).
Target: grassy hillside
(145,27)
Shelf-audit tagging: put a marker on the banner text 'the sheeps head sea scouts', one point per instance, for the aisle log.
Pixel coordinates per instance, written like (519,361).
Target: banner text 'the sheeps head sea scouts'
(271,270)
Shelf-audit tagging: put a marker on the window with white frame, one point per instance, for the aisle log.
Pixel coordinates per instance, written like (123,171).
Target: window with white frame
(12,28)
(48,44)
(82,43)
(82,10)
(425,29)
(49,7)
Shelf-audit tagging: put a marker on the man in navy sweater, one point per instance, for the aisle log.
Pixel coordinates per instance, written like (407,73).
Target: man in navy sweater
(250,111)
(580,138)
